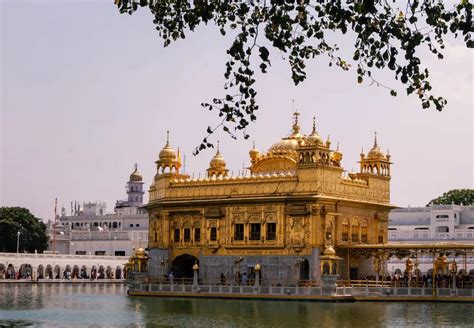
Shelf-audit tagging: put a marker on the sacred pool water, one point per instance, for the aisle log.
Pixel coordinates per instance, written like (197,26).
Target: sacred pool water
(102,305)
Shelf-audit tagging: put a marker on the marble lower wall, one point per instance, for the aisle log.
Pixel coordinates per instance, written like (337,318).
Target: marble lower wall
(274,269)
(159,263)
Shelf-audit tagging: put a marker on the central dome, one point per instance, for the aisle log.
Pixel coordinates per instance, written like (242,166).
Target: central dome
(290,143)
(285,145)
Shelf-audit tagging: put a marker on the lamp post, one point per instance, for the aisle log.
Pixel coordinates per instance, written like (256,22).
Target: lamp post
(195,275)
(18,241)
(257,269)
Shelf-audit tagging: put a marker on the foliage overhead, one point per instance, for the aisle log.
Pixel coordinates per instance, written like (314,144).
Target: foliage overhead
(455,196)
(32,230)
(386,37)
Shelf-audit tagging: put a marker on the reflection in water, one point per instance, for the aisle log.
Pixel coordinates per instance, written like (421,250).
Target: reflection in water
(107,305)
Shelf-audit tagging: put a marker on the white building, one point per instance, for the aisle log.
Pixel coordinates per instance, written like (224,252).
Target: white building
(90,231)
(434,223)
(430,225)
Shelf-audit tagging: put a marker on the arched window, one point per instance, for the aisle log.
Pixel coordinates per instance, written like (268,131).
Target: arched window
(381,235)
(213,234)
(326,268)
(345,231)
(355,231)
(363,230)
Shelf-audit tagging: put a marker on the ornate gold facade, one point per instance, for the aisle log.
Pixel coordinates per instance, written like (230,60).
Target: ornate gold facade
(296,201)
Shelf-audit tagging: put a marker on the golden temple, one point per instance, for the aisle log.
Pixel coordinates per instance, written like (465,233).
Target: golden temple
(296,202)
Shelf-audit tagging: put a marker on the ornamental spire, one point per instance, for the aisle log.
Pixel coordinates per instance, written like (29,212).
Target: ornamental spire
(296,126)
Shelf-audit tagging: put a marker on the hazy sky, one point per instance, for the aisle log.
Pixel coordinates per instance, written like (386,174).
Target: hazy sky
(87,92)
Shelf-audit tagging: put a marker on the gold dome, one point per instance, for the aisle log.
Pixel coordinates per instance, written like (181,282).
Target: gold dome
(375,153)
(286,145)
(254,153)
(289,144)
(337,155)
(167,153)
(140,251)
(329,251)
(218,161)
(136,176)
(314,138)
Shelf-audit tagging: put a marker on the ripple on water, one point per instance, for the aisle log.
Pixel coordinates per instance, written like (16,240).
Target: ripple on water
(107,305)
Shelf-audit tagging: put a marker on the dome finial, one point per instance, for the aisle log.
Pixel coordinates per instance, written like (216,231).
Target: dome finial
(218,148)
(314,125)
(296,126)
(136,167)
(375,139)
(337,147)
(167,137)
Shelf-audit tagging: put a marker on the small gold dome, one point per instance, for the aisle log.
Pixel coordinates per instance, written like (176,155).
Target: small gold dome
(337,155)
(329,251)
(218,161)
(375,153)
(167,153)
(254,153)
(136,176)
(140,251)
(314,138)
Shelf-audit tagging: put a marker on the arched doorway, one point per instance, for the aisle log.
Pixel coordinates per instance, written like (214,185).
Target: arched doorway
(25,271)
(118,272)
(40,272)
(182,266)
(304,270)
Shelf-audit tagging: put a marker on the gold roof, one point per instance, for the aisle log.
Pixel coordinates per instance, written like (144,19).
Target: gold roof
(136,176)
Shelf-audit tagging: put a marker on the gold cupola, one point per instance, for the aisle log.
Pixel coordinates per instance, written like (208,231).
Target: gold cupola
(169,161)
(167,153)
(375,162)
(375,153)
(336,156)
(136,176)
(217,166)
(314,139)
(254,154)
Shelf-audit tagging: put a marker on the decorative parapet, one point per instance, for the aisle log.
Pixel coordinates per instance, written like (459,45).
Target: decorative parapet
(354,182)
(235,179)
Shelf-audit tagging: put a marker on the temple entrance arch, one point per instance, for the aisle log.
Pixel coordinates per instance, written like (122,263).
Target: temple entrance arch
(182,266)
(304,270)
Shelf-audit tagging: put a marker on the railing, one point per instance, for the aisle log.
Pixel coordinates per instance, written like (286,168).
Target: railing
(295,291)
(228,289)
(360,283)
